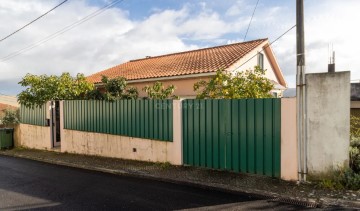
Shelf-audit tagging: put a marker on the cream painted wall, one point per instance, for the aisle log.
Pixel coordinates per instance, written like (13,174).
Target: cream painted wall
(115,146)
(184,87)
(123,147)
(289,152)
(253,62)
(32,136)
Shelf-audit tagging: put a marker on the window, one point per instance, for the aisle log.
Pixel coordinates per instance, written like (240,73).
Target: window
(261,60)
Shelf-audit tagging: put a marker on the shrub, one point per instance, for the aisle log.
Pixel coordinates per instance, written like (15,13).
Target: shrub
(11,117)
(114,89)
(355,143)
(243,84)
(158,91)
(355,155)
(354,128)
(342,178)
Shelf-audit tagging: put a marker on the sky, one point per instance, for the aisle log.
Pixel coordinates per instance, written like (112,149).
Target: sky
(137,28)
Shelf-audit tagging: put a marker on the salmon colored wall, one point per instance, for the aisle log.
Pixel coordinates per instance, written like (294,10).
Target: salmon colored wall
(289,159)
(184,87)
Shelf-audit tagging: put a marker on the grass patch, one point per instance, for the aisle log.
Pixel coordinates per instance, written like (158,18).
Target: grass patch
(164,165)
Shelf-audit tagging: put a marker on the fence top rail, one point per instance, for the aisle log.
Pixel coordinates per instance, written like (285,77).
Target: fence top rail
(231,99)
(168,100)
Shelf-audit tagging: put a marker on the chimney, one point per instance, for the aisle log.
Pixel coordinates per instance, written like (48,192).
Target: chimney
(331,65)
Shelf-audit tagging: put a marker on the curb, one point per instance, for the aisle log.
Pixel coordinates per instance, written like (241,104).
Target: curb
(310,203)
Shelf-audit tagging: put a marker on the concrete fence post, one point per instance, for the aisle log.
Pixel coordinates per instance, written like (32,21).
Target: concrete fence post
(289,158)
(177,145)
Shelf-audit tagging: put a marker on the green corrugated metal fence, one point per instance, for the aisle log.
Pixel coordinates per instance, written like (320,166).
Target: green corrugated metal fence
(150,119)
(236,135)
(33,116)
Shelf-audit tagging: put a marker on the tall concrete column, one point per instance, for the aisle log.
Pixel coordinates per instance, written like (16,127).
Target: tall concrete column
(328,109)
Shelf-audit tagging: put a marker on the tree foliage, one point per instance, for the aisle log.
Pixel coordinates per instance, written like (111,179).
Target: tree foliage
(245,84)
(354,128)
(43,88)
(158,91)
(115,88)
(11,117)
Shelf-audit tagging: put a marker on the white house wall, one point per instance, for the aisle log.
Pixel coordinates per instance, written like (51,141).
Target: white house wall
(253,62)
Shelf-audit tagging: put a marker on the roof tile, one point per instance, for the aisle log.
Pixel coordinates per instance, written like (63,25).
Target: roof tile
(183,63)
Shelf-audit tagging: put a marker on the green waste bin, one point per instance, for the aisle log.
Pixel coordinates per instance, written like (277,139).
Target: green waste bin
(6,138)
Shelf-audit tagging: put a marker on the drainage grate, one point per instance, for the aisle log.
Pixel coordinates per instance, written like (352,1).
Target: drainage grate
(296,202)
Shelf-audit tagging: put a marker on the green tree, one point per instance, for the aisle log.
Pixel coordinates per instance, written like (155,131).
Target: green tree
(158,91)
(11,117)
(43,88)
(245,84)
(115,88)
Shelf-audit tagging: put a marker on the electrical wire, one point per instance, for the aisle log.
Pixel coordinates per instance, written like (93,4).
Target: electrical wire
(287,31)
(60,32)
(251,19)
(26,25)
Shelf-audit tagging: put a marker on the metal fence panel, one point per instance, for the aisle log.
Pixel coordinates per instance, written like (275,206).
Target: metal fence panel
(237,135)
(151,119)
(33,116)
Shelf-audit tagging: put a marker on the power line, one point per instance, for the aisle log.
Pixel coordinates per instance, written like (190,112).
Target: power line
(251,19)
(60,32)
(266,46)
(26,25)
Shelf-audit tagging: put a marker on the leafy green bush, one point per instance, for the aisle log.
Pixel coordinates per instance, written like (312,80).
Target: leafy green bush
(43,88)
(355,155)
(243,84)
(354,128)
(342,178)
(11,117)
(114,89)
(158,91)
(355,143)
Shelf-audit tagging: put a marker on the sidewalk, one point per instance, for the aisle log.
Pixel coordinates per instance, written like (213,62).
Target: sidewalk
(270,188)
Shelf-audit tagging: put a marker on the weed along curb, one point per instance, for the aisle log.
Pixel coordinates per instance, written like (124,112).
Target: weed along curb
(203,178)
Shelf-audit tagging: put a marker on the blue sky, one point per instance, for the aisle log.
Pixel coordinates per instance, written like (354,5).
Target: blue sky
(138,28)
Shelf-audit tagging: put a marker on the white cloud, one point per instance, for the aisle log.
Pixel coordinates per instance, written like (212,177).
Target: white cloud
(238,8)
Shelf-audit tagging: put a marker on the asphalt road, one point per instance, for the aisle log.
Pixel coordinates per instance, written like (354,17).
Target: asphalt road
(26,184)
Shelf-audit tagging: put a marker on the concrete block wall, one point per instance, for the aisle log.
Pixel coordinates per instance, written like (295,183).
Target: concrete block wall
(32,136)
(328,126)
(152,150)
(127,147)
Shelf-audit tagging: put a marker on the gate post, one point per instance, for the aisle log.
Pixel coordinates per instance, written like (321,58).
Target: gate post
(176,152)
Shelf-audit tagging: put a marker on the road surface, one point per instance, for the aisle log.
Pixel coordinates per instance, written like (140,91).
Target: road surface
(26,184)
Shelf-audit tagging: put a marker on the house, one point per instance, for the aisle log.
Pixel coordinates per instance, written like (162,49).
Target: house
(184,69)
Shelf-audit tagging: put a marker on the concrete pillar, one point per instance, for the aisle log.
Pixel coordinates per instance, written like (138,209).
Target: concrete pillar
(328,125)
(62,133)
(177,145)
(289,153)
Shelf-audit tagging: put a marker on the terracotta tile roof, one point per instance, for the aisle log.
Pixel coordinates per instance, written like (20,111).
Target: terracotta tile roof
(184,63)
(4,106)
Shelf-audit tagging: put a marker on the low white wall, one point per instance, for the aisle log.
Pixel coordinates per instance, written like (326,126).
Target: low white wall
(289,159)
(328,103)
(127,147)
(32,136)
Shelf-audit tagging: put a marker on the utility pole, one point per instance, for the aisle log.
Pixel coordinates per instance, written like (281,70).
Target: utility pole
(301,91)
